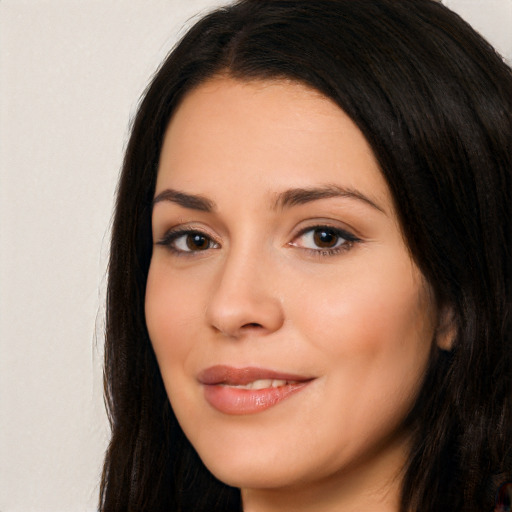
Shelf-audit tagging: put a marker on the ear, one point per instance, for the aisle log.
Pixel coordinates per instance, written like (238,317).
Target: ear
(446,331)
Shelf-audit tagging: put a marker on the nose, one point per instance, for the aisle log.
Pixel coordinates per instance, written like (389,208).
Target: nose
(245,299)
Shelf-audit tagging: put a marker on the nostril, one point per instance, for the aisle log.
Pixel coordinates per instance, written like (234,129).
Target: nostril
(244,314)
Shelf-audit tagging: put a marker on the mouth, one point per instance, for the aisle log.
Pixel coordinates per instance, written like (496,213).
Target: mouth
(239,391)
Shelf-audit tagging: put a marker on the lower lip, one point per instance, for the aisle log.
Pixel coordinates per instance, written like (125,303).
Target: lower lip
(237,401)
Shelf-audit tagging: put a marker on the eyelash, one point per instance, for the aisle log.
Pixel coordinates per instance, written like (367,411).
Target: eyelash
(341,234)
(170,238)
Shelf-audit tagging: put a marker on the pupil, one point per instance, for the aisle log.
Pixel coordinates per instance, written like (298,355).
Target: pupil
(197,242)
(325,238)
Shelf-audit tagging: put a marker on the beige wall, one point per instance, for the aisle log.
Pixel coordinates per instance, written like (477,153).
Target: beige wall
(70,75)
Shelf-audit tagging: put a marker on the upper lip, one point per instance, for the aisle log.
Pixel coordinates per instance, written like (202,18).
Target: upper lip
(222,374)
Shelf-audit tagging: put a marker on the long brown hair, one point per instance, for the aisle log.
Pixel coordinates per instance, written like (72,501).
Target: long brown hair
(434,100)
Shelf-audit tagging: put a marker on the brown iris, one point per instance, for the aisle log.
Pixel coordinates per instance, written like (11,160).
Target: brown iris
(325,238)
(197,242)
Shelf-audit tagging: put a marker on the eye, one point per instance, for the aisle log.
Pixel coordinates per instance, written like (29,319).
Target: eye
(324,240)
(188,241)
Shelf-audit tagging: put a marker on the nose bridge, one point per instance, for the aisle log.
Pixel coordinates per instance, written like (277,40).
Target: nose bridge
(245,297)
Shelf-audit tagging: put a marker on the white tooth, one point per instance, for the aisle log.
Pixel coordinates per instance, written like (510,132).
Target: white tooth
(261,384)
(241,386)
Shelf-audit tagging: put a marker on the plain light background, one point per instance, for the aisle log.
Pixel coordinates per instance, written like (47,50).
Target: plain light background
(71,73)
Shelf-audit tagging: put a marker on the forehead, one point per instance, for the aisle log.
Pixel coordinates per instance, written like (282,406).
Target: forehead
(268,135)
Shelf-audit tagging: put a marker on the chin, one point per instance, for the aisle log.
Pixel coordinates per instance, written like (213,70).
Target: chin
(244,474)
(253,460)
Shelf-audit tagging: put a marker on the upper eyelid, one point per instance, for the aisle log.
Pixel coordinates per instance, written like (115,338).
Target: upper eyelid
(187,228)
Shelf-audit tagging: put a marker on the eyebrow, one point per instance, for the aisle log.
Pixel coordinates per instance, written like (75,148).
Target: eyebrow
(286,199)
(190,201)
(298,196)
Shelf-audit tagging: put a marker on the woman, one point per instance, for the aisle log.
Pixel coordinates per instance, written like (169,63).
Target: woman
(309,284)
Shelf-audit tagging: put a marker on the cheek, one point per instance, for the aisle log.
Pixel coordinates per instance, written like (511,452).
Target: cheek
(172,314)
(374,327)
(173,317)
(371,305)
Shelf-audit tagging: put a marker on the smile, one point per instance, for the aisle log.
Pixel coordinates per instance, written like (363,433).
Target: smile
(239,391)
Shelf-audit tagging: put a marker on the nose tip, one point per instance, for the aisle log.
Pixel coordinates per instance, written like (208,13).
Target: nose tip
(245,306)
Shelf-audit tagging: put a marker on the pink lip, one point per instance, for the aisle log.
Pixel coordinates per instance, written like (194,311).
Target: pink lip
(219,393)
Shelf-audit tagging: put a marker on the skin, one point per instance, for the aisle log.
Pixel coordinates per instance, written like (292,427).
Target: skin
(360,320)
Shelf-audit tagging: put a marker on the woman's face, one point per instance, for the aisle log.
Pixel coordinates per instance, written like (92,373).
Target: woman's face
(291,327)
